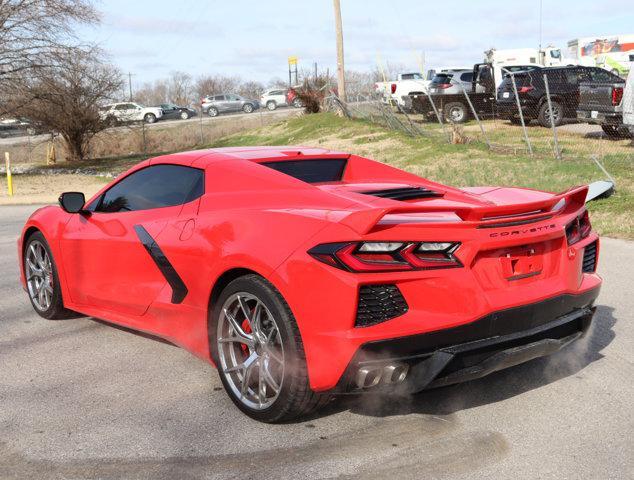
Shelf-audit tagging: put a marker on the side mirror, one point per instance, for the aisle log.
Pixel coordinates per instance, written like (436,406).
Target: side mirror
(72,202)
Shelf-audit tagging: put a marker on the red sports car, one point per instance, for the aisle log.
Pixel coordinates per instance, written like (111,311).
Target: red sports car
(302,273)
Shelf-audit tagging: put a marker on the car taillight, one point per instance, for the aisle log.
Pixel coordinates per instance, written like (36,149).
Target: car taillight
(393,88)
(617,95)
(578,229)
(387,256)
(525,89)
(443,85)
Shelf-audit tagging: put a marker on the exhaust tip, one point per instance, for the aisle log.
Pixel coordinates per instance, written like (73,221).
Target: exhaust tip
(371,376)
(395,373)
(368,377)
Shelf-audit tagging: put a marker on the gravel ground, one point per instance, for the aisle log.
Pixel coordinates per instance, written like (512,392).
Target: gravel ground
(81,399)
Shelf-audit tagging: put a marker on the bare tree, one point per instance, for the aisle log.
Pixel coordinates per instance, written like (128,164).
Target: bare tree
(153,93)
(251,89)
(33,31)
(215,84)
(180,88)
(64,98)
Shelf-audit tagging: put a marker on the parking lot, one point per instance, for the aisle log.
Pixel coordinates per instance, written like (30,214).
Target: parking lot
(83,399)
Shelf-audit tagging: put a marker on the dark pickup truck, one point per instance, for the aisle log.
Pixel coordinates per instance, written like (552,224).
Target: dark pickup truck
(601,103)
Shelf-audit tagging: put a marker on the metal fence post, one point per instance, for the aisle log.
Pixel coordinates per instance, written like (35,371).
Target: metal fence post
(442,124)
(552,118)
(475,114)
(519,109)
(202,140)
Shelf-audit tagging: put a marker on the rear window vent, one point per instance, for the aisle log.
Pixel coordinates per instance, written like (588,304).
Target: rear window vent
(590,258)
(405,193)
(378,303)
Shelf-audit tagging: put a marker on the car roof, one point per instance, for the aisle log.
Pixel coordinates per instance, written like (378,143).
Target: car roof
(204,158)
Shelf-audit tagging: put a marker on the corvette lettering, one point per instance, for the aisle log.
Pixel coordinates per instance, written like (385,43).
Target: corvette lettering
(523,231)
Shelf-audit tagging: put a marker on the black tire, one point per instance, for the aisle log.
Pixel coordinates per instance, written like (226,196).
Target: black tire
(184,115)
(558,114)
(455,112)
(56,310)
(149,118)
(212,112)
(616,131)
(515,120)
(247,108)
(297,103)
(295,397)
(271,105)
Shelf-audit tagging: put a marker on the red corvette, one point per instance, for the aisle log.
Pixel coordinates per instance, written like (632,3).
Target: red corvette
(301,272)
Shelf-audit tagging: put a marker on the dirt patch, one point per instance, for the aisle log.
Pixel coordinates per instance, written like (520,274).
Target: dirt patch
(33,189)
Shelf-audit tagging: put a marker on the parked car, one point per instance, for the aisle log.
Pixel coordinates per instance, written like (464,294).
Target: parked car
(563,83)
(13,127)
(293,99)
(216,104)
(303,273)
(172,112)
(130,112)
(276,97)
(601,102)
(628,102)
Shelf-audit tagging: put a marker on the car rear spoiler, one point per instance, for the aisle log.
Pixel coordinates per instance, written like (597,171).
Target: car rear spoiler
(363,221)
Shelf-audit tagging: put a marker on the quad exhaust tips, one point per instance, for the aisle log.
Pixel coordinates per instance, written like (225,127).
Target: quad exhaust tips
(372,376)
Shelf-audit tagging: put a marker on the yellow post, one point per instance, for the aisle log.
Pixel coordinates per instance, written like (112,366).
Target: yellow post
(9,179)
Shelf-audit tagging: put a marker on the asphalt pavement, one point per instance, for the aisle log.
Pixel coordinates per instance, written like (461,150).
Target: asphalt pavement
(81,399)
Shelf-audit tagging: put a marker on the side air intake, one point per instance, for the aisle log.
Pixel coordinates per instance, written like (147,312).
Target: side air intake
(404,193)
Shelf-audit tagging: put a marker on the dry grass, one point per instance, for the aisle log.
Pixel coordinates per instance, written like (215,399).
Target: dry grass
(140,139)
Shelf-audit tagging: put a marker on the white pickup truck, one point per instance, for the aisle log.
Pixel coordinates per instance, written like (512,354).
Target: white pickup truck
(405,84)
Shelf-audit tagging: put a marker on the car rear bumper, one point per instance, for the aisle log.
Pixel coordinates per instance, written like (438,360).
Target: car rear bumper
(594,116)
(499,340)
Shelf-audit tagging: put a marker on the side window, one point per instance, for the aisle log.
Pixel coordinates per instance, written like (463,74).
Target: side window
(466,77)
(153,187)
(233,98)
(121,106)
(219,98)
(603,76)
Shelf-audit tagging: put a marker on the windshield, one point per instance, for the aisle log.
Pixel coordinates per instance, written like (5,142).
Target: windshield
(441,78)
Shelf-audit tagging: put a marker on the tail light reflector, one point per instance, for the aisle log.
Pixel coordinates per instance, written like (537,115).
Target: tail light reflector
(526,89)
(578,229)
(387,256)
(393,88)
(617,95)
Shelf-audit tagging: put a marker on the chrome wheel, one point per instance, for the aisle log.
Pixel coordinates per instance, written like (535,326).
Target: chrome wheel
(39,275)
(250,350)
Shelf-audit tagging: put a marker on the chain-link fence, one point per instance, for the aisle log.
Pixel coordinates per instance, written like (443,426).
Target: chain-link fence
(559,113)
(28,147)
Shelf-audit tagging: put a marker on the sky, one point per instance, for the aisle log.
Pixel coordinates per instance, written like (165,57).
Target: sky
(250,39)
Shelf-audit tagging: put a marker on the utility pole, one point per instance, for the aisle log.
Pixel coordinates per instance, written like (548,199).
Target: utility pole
(341,80)
(130,86)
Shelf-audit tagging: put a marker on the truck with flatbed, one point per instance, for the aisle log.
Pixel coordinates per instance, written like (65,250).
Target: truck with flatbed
(446,94)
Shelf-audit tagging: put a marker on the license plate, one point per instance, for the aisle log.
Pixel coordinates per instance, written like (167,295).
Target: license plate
(594,114)
(506,94)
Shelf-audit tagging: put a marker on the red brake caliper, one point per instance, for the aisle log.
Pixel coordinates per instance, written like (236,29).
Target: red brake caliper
(246,326)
